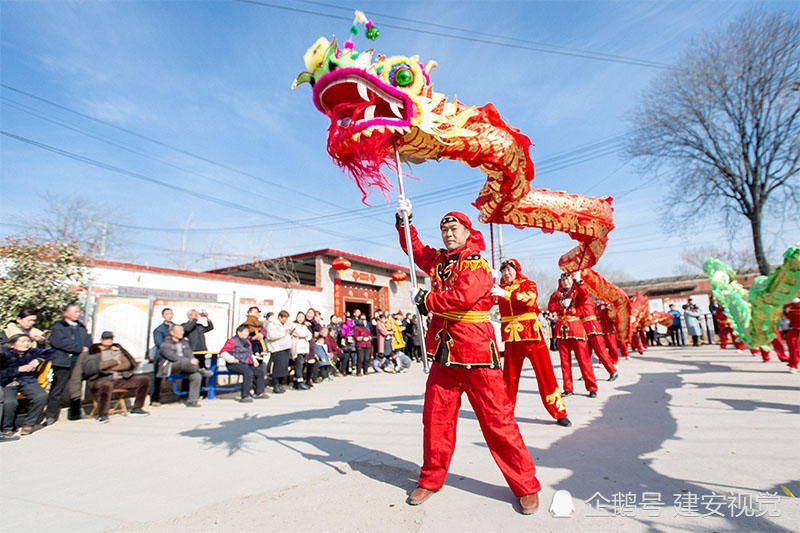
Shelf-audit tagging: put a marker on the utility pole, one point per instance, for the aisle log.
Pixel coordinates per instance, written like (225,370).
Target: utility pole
(103,241)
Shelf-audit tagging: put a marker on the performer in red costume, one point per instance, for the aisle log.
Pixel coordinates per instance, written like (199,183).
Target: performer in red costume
(461,341)
(603,314)
(594,331)
(522,335)
(636,341)
(777,345)
(725,329)
(792,312)
(570,335)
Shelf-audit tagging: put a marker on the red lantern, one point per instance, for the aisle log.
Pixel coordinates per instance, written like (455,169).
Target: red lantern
(399,277)
(339,264)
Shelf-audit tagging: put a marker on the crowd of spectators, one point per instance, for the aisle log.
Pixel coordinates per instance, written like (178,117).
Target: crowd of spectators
(42,371)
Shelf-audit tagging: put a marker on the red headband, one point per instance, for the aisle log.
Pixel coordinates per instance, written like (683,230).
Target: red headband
(475,240)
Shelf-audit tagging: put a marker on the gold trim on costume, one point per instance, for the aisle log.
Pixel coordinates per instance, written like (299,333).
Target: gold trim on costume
(464,316)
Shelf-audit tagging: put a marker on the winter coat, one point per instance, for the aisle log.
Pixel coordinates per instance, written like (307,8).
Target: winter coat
(196,334)
(692,323)
(300,337)
(12,328)
(10,361)
(69,342)
(278,337)
(168,352)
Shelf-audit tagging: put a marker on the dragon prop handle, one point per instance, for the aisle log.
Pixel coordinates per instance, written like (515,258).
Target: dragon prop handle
(374,104)
(755,313)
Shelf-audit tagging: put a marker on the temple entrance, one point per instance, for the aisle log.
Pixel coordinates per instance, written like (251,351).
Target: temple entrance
(364,307)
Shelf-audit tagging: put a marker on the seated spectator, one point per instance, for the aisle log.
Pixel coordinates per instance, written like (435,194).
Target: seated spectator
(109,366)
(279,342)
(363,347)
(175,356)
(23,324)
(300,337)
(238,356)
(19,363)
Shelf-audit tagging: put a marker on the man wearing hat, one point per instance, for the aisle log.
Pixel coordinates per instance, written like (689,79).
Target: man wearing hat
(522,335)
(570,335)
(461,341)
(108,366)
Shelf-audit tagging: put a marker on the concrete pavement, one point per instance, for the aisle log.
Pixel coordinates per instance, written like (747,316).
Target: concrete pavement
(686,439)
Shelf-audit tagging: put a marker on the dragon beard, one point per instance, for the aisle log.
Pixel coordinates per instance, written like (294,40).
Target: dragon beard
(362,158)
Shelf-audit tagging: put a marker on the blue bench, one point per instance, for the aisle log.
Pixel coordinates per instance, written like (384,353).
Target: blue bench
(212,381)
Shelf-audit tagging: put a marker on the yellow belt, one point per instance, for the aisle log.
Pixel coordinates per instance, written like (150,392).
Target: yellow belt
(524,316)
(588,318)
(465,316)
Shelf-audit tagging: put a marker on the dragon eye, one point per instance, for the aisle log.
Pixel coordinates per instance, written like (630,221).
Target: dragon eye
(403,76)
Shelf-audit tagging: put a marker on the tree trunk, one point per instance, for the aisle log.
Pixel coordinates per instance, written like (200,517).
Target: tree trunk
(758,246)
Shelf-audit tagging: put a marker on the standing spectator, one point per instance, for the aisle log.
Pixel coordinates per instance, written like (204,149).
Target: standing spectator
(238,356)
(69,338)
(334,351)
(176,357)
(691,316)
(256,330)
(415,339)
(195,330)
(363,347)
(384,337)
(160,334)
(109,366)
(347,341)
(23,324)
(18,365)
(300,347)
(280,344)
(311,322)
(675,327)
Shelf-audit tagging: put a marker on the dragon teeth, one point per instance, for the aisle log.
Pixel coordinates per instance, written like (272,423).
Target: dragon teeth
(369,113)
(362,91)
(395,109)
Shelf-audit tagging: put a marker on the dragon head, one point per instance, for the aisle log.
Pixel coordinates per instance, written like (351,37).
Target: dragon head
(372,103)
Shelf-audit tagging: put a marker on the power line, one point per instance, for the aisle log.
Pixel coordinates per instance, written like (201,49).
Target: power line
(563,51)
(212,199)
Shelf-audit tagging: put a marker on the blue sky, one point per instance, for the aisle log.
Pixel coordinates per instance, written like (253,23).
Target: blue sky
(212,79)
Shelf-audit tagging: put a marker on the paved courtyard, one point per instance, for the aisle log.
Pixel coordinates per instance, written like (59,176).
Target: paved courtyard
(685,440)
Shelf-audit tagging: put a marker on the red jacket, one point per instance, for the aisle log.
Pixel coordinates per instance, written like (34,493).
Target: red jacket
(792,311)
(585,307)
(604,317)
(460,333)
(722,318)
(519,311)
(568,323)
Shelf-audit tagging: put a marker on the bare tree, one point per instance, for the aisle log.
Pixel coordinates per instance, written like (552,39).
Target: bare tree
(726,121)
(694,258)
(92,225)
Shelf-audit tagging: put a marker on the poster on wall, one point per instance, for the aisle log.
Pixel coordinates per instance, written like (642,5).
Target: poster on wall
(264,305)
(218,313)
(127,318)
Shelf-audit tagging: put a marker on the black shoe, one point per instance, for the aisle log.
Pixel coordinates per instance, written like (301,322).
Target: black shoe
(299,385)
(278,390)
(566,393)
(593,394)
(103,419)
(192,404)
(138,411)
(8,438)
(262,396)
(50,421)
(613,377)
(246,399)
(564,422)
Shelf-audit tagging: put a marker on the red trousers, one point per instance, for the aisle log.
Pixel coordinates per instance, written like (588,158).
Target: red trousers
(539,356)
(611,345)
(793,342)
(777,345)
(597,344)
(487,394)
(724,331)
(643,337)
(623,348)
(636,342)
(565,347)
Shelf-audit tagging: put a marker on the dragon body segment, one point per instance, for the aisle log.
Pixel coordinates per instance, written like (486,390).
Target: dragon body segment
(375,105)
